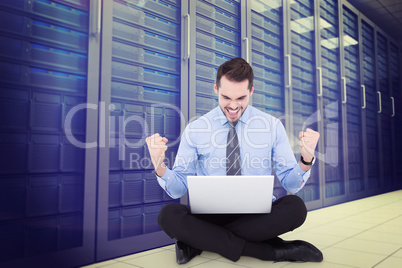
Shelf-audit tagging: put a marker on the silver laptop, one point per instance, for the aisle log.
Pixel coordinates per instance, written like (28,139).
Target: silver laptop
(230,194)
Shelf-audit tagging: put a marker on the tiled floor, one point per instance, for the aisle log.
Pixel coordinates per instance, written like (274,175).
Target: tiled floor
(362,233)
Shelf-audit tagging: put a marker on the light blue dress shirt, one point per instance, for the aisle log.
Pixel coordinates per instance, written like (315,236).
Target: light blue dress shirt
(263,143)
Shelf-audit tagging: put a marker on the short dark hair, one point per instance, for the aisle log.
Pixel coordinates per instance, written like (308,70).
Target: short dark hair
(236,69)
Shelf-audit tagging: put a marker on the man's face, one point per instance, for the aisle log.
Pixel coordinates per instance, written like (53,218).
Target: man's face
(233,97)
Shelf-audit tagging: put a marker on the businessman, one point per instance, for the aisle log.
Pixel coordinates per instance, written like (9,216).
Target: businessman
(236,139)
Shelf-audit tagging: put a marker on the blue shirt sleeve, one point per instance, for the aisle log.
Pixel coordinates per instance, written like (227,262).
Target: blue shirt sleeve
(288,170)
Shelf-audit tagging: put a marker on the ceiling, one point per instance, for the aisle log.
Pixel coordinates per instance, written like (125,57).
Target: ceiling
(387,14)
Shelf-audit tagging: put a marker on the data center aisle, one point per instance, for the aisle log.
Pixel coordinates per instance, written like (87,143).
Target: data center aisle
(361,233)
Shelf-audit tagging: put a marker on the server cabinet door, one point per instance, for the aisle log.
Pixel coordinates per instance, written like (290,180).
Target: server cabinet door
(267,55)
(370,97)
(140,96)
(396,115)
(301,79)
(47,175)
(384,110)
(351,44)
(333,101)
(217,39)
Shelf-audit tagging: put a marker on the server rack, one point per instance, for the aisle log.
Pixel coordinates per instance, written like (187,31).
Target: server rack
(355,106)
(140,91)
(390,175)
(302,81)
(217,38)
(333,96)
(265,21)
(44,58)
(384,109)
(370,97)
(396,101)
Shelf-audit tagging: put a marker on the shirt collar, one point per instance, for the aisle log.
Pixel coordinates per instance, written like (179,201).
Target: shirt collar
(223,120)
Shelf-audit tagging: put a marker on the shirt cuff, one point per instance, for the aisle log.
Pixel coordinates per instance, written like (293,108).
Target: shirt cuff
(165,178)
(302,175)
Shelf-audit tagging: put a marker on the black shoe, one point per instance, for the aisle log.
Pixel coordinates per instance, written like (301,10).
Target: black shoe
(297,251)
(184,253)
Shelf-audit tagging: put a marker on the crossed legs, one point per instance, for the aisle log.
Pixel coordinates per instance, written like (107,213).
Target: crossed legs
(232,235)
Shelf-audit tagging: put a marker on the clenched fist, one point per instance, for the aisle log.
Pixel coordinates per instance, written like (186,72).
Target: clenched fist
(308,143)
(157,148)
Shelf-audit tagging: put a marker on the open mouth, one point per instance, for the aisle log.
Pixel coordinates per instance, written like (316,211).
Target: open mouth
(232,113)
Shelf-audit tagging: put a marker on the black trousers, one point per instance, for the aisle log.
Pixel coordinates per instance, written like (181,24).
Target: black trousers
(226,234)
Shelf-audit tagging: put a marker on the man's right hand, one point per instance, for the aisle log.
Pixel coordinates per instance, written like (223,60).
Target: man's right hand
(157,148)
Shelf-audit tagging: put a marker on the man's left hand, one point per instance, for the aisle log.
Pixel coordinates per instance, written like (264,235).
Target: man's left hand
(308,143)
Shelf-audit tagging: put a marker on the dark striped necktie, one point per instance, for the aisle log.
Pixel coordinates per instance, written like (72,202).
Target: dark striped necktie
(233,152)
